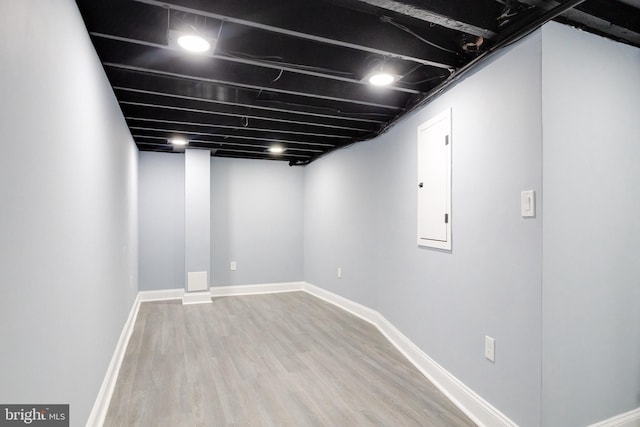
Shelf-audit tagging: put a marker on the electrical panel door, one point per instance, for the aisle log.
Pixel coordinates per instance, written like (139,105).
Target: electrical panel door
(434,182)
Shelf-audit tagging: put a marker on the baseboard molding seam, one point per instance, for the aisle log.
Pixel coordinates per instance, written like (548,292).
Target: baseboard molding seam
(628,419)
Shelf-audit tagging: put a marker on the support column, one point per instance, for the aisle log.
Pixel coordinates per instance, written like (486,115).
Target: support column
(197,216)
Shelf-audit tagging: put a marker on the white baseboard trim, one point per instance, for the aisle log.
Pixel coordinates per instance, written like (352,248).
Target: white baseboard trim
(365,313)
(196,298)
(101,404)
(628,419)
(264,288)
(475,407)
(160,295)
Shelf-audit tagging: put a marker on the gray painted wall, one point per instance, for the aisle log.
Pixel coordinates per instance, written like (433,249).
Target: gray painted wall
(161,227)
(256,220)
(68,216)
(361,215)
(591,292)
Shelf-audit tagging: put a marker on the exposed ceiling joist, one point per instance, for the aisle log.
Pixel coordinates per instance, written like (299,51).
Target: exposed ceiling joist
(294,73)
(460,15)
(230,82)
(319,27)
(184,123)
(180,89)
(215,140)
(240,108)
(278,66)
(244,118)
(240,133)
(161,141)
(507,39)
(614,19)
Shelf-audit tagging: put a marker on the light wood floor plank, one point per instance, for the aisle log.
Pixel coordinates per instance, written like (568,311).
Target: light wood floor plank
(286,359)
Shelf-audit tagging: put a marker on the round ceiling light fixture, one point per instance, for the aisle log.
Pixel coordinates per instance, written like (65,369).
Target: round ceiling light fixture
(178,142)
(382,79)
(193,43)
(276,149)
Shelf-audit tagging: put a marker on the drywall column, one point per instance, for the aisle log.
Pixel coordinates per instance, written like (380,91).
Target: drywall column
(197,214)
(590,293)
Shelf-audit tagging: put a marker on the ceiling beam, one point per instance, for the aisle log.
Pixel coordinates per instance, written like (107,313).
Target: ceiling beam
(184,122)
(245,114)
(533,24)
(286,155)
(235,99)
(171,129)
(322,26)
(459,15)
(215,147)
(220,142)
(213,138)
(622,29)
(241,85)
(617,13)
(176,64)
(192,116)
(278,66)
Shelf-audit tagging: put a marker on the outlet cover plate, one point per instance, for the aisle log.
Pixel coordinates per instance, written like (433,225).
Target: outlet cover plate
(528,204)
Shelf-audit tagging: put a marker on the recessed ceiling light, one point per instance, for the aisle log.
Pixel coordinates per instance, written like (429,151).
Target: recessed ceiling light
(276,149)
(179,142)
(193,43)
(381,79)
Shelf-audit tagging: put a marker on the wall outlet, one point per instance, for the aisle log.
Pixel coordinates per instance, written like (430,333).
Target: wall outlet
(233,266)
(339,272)
(490,348)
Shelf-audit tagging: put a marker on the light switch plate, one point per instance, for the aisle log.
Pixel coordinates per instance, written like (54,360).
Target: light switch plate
(490,348)
(528,203)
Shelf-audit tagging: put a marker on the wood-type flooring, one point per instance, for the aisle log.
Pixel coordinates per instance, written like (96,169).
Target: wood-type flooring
(286,359)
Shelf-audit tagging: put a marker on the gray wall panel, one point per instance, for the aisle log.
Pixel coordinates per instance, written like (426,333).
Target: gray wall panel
(361,215)
(591,316)
(256,221)
(68,216)
(161,227)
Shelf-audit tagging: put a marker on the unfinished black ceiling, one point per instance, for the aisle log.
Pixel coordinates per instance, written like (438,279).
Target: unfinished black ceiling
(294,72)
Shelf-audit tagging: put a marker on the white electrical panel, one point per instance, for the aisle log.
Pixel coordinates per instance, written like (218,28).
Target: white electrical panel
(434,182)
